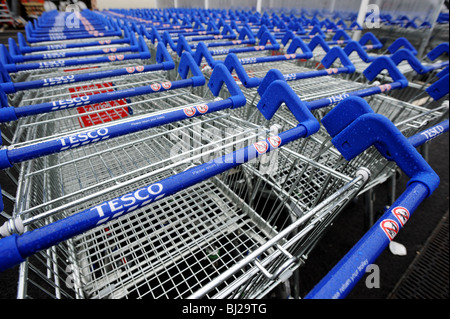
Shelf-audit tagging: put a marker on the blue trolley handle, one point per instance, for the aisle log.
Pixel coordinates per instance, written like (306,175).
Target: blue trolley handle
(371,73)
(348,124)
(25,48)
(406,55)
(14,248)
(143,54)
(163,58)
(203,52)
(233,63)
(186,63)
(438,51)
(17,56)
(401,43)
(220,76)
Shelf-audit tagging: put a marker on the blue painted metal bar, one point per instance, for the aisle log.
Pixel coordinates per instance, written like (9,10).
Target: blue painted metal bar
(144,53)
(161,55)
(25,48)
(186,63)
(429,134)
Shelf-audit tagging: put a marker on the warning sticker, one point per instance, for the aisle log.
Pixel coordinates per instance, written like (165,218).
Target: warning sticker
(261,147)
(202,108)
(402,214)
(166,85)
(112,112)
(189,111)
(390,228)
(155,87)
(275,141)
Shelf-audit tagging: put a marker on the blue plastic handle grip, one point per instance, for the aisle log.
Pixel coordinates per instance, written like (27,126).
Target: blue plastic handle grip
(349,125)
(25,153)
(24,48)
(354,127)
(440,88)
(406,55)
(96,98)
(62,80)
(186,64)
(438,51)
(219,77)
(399,43)
(58,37)
(18,58)
(34,38)
(143,54)
(370,37)
(320,103)
(242,50)
(274,91)
(163,58)
(337,53)
(353,46)
(429,134)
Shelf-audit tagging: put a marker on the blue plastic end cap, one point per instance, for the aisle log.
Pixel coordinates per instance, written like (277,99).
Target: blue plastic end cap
(4,159)
(168,65)
(440,88)
(186,64)
(8,87)
(221,76)
(428,178)
(271,76)
(345,113)
(9,252)
(8,114)
(385,63)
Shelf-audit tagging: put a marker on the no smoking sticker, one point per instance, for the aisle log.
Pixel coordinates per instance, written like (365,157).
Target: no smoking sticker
(275,141)
(261,147)
(390,228)
(189,111)
(402,214)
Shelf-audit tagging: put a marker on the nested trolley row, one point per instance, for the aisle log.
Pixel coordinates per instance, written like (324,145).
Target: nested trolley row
(177,180)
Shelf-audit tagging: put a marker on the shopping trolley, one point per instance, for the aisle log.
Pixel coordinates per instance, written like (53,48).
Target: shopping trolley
(408,118)
(70,96)
(346,273)
(105,57)
(24,48)
(32,85)
(104,29)
(16,55)
(80,108)
(220,122)
(117,266)
(238,46)
(426,74)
